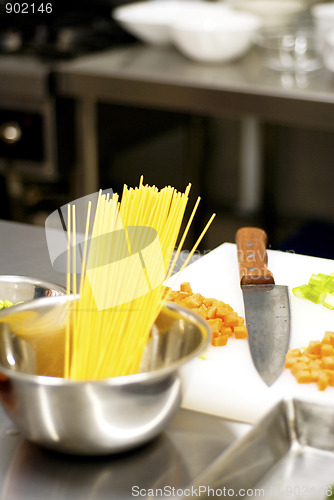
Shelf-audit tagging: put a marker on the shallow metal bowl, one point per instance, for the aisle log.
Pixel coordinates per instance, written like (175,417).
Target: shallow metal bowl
(95,417)
(25,288)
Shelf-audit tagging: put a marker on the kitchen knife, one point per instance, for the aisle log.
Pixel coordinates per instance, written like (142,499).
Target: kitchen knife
(267,310)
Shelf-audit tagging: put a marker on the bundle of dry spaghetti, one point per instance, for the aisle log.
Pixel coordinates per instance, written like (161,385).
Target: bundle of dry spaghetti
(126,259)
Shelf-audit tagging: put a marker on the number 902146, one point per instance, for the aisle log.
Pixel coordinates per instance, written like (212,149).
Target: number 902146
(28,8)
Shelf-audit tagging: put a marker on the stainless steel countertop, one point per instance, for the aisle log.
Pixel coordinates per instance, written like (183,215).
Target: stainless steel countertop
(173,460)
(161,77)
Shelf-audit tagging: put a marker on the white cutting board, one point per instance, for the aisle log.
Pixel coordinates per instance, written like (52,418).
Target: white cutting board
(226,383)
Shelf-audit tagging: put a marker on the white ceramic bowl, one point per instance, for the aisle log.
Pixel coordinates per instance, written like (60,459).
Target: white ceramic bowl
(323,17)
(212,38)
(271,12)
(328,52)
(150,21)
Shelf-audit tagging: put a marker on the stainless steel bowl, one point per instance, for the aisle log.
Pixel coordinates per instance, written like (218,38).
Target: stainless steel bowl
(104,416)
(24,288)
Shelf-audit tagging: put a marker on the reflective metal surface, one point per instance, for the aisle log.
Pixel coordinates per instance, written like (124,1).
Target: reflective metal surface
(190,442)
(288,454)
(161,78)
(15,353)
(96,417)
(267,314)
(24,288)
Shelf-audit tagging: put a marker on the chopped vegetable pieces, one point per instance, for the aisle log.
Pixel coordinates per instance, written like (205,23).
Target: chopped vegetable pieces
(315,363)
(222,319)
(5,303)
(320,290)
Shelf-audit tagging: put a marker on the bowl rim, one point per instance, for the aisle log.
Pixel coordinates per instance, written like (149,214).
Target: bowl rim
(136,12)
(17,278)
(283,7)
(232,22)
(117,381)
(162,13)
(322,9)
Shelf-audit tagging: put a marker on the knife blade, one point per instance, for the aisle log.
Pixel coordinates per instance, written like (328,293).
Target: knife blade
(267,310)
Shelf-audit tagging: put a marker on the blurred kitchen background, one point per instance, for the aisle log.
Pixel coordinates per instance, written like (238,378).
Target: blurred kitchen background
(38,140)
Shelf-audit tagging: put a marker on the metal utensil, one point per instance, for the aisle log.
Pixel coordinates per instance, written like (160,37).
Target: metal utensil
(267,308)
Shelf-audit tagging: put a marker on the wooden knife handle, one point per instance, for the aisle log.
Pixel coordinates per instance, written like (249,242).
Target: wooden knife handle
(252,256)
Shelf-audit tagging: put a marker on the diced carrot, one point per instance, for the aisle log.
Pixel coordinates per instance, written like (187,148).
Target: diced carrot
(322,381)
(312,357)
(202,311)
(303,357)
(220,340)
(221,312)
(299,366)
(211,314)
(294,352)
(290,361)
(315,363)
(226,330)
(227,307)
(215,333)
(315,373)
(231,319)
(185,287)
(330,375)
(327,350)
(328,362)
(182,302)
(303,377)
(240,332)
(177,296)
(190,302)
(328,338)
(199,297)
(223,320)
(215,324)
(314,347)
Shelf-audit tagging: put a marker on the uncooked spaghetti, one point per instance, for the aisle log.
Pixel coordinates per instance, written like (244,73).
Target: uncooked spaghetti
(125,261)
